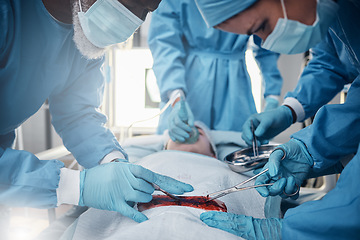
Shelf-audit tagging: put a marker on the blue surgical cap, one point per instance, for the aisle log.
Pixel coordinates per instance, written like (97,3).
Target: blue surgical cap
(215,12)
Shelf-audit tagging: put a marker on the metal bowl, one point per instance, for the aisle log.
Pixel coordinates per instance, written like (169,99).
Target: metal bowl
(244,160)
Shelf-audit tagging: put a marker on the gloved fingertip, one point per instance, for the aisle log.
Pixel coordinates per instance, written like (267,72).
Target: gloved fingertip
(205,216)
(210,223)
(278,187)
(259,131)
(188,188)
(140,218)
(263,191)
(247,138)
(191,123)
(180,139)
(290,183)
(274,162)
(248,142)
(208,215)
(273,170)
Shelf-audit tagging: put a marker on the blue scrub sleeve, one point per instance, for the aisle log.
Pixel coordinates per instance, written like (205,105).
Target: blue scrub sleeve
(336,216)
(27,181)
(267,62)
(166,45)
(335,169)
(335,132)
(77,118)
(321,80)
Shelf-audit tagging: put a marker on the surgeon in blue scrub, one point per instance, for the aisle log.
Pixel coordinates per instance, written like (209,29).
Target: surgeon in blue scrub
(332,30)
(206,67)
(53,49)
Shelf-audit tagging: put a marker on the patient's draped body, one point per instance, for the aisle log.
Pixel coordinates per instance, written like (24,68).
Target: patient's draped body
(171,221)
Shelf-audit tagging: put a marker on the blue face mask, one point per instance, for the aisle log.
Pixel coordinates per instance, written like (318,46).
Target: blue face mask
(108,22)
(291,37)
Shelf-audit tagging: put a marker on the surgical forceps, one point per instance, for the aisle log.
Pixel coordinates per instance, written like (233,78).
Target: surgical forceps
(238,187)
(157,188)
(254,142)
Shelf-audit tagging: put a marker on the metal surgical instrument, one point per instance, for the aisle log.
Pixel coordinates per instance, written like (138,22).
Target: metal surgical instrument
(238,187)
(254,142)
(157,188)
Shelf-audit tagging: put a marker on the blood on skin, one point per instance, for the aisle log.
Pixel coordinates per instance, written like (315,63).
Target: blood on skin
(201,202)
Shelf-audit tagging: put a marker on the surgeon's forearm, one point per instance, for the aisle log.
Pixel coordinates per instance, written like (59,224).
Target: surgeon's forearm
(335,132)
(337,168)
(321,80)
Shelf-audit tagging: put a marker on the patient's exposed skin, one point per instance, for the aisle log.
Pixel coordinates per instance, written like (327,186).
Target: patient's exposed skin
(202,146)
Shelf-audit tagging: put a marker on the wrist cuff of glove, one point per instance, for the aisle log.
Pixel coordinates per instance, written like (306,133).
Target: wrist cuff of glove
(305,152)
(178,93)
(113,155)
(297,107)
(68,191)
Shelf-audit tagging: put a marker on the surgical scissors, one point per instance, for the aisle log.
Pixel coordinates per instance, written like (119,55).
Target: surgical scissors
(238,187)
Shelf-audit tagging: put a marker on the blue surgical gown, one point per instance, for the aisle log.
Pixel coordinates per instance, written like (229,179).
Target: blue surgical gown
(39,61)
(336,216)
(208,65)
(335,131)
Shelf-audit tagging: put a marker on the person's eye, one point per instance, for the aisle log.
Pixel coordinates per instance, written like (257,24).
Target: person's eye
(260,28)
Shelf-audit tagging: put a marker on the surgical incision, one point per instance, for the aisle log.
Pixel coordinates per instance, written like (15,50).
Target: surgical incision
(193,201)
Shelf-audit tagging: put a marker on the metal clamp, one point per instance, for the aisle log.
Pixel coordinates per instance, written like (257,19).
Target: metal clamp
(293,194)
(279,148)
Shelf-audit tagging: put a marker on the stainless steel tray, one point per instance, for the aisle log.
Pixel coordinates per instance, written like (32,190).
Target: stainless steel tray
(244,160)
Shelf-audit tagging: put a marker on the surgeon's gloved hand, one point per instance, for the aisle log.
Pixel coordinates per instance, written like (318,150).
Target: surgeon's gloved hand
(117,185)
(267,124)
(288,172)
(244,226)
(270,104)
(180,121)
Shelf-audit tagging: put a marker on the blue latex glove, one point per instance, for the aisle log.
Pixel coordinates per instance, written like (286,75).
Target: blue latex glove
(244,226)
(289,173)
(117,185)
(267,125)
(181,120)
(270,104)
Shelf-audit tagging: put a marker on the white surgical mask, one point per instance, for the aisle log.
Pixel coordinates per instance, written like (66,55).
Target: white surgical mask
(291,37)
(108,22)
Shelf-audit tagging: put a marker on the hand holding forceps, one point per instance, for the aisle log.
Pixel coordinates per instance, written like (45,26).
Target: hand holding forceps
(238,187)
